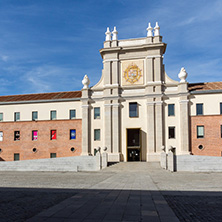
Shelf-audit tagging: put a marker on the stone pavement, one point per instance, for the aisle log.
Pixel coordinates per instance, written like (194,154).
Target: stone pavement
(136,191)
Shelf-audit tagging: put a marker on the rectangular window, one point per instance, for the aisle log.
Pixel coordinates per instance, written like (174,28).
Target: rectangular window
(16,116)
(53,115)
(72,134)
(1,117)
(34,134)
(133,109)
(16,135)
(220,108)
(53,134)
(34,115)
(171,132)
(171,110)
(52,155)
(1,136)
(16,156)
(96,134)
(97,113)
(200,131)
(199,109)
(72,114)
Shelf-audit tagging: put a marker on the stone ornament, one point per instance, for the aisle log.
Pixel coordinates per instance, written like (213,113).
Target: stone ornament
(114,32)
(132,73)
(182,75)
(149,30)
(157,30)
(85,82)
(108,34)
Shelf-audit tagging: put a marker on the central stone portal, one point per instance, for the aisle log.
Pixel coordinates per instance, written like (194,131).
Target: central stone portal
(133,145)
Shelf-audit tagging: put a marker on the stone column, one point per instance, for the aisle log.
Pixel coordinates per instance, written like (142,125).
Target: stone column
(159,126)
(108,126)
(116,131)
(150,130)
(86,123)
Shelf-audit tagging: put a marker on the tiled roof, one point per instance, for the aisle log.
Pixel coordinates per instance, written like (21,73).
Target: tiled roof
(41,96)
(205,86)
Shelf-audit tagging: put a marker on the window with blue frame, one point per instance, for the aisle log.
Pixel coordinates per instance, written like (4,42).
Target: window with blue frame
(133,109)
(171,110)
(199,109)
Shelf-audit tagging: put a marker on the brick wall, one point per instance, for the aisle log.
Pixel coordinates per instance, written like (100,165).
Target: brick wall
(61,146)
(212,141)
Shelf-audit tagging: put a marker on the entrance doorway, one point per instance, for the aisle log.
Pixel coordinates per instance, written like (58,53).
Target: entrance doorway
(133,145)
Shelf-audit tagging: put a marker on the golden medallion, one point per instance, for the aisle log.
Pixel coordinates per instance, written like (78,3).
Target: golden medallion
(132,73)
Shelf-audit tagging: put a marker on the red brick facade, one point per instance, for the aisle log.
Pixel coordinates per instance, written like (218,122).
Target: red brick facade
(44,145)
(212,141)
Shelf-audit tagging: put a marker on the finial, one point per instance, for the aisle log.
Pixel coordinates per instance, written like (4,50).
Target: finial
(85,82)
(182,75)
(108,34)
(114,32)
(149,30)
(157,30)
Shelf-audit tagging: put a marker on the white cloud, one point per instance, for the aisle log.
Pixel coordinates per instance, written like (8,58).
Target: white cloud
(4,58)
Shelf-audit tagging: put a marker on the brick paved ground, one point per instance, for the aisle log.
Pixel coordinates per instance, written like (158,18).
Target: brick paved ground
(122,192)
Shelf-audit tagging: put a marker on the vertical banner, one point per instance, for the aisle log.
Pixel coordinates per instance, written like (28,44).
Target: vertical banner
(35,135)
(72,134)
(1,136)
(53,134)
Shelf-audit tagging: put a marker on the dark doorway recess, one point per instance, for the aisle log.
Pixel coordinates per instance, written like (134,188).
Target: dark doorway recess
(133,145)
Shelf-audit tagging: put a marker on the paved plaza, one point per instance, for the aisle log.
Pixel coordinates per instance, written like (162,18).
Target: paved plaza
(136,191)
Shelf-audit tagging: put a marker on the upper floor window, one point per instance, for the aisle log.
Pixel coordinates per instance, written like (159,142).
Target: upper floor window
(199,109)
(16,116)
(72,114)
(34,115)
(53,115)
(1,116)
(97,113)
(200,131)
(172,132)
(133,109)
(171,110)
(96,134)
(221,108)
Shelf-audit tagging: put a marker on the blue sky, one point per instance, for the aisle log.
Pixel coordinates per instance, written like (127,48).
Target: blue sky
(49,45)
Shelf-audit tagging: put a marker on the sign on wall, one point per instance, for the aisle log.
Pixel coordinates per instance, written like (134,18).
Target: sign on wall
(72,134)
(1,136)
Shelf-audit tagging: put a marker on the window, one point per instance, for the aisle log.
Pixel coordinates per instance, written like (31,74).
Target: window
(171,132)
(16,135)
(97,113)
(220,131)
(221,108)
(52,155)
(200,131)
(72,134)
(171,111)
(53,115)
(53,135)
(16,156)
(1,117)
(1,136)
(72,114)
(133,109)
(96,134)
(199,109)
(17,116)
(34,115)
(34,135)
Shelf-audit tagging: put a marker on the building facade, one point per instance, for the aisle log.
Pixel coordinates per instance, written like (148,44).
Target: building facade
(133,113)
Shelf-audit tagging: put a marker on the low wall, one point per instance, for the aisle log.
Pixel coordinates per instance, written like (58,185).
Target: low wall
(76,163)
(196,163)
